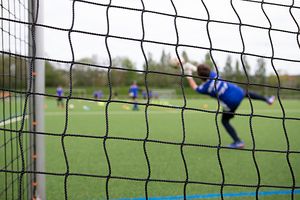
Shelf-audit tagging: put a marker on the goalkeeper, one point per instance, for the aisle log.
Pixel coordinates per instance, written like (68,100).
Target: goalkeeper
(229,94)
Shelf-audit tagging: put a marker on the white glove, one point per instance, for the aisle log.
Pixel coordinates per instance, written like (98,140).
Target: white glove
(188,72)
(189,69)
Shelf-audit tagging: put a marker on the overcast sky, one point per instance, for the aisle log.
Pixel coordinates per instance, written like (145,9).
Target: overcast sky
(127,23)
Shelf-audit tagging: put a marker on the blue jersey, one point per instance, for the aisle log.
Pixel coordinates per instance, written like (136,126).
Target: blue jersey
(133,91)
(59,91)
(98,94)
(229,94)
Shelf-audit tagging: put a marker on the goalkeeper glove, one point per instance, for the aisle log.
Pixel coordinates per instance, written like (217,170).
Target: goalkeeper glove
(189,69)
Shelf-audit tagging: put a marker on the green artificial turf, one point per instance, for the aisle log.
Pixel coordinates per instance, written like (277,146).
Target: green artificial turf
(126,131)
(172,134)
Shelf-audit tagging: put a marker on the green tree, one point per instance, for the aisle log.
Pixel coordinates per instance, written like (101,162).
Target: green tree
(117,76)
(150,61)
(208,60)
(228,70)
(163,58)
(260,73)
(130,76)
(13,70)
(246,65)
(185,56)
(237,72)
(156,80)
(53,76)
(82,74)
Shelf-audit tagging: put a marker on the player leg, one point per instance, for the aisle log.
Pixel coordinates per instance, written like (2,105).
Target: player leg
(58,102)
(226,117)
(62,103)
(135,105)
(269,100)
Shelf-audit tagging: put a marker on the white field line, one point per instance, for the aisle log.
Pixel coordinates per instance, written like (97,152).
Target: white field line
(13,120)
(161,112)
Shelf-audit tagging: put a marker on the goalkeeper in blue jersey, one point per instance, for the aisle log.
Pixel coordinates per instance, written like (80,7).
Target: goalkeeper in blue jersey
(133,93)
(229,94)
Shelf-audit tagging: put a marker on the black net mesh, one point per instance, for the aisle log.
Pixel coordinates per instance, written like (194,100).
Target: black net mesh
(97,148)
(15,144)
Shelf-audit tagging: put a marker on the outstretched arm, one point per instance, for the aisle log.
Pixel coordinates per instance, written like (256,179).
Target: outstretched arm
(188,70)
(192,83)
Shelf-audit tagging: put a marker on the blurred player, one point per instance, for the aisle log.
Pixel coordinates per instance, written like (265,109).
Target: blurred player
(133,93)
(98,94)
(145,95)
(229,94)
(60,93)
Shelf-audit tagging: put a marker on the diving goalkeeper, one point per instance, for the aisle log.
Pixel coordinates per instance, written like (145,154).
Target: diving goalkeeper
(229,94)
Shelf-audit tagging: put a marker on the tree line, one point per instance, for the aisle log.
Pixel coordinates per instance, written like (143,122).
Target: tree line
(160,73)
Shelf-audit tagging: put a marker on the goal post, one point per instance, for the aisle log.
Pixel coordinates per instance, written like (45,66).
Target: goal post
(38,88)
(22,77)
(22,90)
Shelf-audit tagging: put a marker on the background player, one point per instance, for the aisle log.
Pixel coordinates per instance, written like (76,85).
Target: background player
(60,93)
(98,94)
(133,93)
(229,94)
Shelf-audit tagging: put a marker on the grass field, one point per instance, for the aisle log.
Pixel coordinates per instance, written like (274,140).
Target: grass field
(86,126)
(127,159)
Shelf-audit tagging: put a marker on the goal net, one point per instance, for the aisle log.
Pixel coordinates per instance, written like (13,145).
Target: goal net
(106,135)
(16,140)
